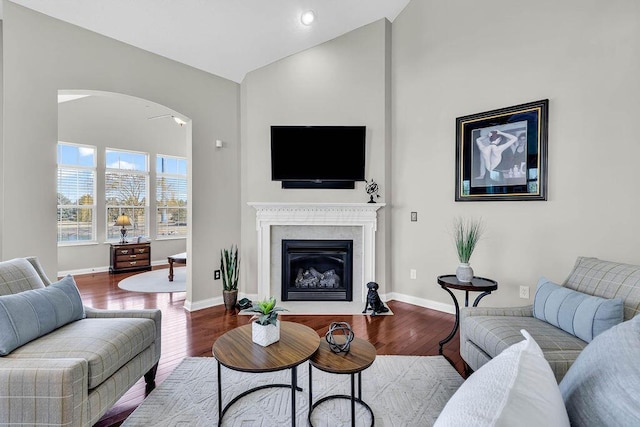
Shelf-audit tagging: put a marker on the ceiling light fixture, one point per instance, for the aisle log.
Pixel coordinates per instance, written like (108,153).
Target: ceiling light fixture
(178,120)
(308,17)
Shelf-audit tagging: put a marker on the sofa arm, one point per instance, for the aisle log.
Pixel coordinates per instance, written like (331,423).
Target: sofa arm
(153,314)
(466,336)
(43,392)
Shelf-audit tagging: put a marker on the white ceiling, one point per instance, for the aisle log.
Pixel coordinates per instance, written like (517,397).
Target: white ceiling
(228,38)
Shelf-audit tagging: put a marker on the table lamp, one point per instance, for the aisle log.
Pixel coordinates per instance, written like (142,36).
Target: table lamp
(123,220)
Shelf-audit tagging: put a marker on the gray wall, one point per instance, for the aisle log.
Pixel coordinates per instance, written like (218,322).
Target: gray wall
(1,133)
(461,57)
(447,59)
(106,120)
(61,56)
(341,82)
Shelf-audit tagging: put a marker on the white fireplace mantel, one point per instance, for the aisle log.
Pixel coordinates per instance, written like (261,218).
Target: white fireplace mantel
(308,214)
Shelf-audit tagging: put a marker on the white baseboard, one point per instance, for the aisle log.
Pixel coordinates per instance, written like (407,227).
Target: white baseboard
(84,271)
(200,305)
(421,302)
(212,302)
(102,269)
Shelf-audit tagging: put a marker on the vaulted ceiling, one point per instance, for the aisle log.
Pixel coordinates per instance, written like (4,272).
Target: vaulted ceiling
(228,38)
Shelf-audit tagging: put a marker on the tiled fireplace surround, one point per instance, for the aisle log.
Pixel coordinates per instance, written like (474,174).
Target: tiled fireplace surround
(331,221)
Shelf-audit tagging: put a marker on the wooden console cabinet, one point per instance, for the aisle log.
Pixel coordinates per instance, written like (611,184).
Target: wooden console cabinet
(129,257)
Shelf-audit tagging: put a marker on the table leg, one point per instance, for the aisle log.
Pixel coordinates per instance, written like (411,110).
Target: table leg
(455,325)
(310,392)
(219,396)
(479,297)
(170,270)
(353,400)
(294,386)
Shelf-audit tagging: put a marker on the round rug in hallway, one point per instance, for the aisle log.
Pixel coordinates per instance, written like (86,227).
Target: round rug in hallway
(156,281)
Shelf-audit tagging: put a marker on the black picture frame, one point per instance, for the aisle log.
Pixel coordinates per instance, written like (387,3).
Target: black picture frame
(517,170)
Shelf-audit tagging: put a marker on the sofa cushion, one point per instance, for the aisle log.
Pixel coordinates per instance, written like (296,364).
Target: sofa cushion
(18,275)
(515,388)
(106,344)
(28,315)
(601,387)
(496,333)
(493,334)
(579,314)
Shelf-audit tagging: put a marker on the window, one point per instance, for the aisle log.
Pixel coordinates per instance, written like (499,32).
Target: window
(126,191)
(76,187)
(171,196)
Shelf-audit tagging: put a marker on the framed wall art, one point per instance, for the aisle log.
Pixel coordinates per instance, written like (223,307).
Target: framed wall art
(502,154)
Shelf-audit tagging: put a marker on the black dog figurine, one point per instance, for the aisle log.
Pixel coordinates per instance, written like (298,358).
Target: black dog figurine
(373,300)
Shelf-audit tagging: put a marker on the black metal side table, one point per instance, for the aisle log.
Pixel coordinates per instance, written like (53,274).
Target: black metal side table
(477,284)
(361,355)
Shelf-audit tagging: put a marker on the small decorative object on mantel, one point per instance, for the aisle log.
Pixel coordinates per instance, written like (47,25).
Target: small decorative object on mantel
(372,190)
(374,302)
(230,266)
(340,345)
(265,329)
(467,232)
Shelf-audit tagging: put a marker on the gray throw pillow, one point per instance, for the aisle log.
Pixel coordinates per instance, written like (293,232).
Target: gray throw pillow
(579,314)
(28,315)
(601,387)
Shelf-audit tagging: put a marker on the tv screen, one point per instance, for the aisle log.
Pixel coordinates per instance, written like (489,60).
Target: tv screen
(317,153)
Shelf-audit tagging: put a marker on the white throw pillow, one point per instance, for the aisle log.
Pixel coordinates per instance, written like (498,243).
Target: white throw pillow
(516,388)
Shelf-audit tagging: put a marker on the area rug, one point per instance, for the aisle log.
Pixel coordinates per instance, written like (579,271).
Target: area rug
(156,281)
(401,391)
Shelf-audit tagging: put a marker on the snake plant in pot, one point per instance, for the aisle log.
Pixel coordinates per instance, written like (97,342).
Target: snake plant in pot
(467,232)
(265,328)
(229,267)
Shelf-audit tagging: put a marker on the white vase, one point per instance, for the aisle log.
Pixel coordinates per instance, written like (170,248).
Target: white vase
(265,335)
(464,272)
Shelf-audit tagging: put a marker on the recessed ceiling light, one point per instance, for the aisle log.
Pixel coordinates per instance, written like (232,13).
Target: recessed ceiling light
(308,17)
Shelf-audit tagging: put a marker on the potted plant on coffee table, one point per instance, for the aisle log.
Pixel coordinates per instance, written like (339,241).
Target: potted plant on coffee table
(265,328)
(467,232)
(229,267)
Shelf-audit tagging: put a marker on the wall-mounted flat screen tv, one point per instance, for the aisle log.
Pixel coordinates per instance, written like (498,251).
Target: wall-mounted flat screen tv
(317,153)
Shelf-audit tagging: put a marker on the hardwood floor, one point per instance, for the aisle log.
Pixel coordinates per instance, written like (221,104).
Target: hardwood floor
(411,330)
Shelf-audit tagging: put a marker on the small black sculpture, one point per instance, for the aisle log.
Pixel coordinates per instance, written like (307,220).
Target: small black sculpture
(373,300)
(345,329)
(244,303)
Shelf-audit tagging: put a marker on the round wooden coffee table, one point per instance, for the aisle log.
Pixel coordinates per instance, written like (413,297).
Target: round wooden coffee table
(236,350)
(360,356)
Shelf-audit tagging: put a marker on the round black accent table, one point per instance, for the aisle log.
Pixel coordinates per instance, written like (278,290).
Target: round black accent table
(360,356)
(477,284)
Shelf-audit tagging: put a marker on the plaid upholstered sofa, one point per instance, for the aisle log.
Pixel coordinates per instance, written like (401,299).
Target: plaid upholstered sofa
(485,332)
(71,375)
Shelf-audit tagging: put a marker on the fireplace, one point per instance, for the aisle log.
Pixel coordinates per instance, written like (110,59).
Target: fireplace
(317,270)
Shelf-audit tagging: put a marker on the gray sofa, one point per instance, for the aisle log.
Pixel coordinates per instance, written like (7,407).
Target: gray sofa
(73,374)
(485,332)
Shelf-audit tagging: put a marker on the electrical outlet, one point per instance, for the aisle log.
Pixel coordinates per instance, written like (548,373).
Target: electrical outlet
(412,273)
(414,216)
(524,292)
(216,275)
